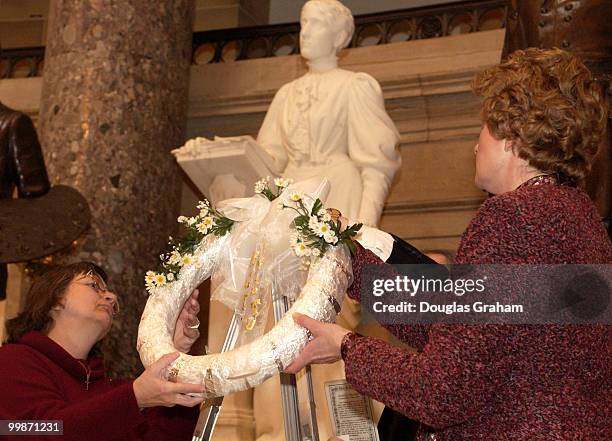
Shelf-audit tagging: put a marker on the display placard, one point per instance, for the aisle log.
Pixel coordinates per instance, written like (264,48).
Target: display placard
(350,412)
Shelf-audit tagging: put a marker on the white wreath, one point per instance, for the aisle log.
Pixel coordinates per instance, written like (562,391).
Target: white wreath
(251,364)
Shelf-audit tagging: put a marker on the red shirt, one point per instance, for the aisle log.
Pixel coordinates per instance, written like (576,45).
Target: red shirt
(39,380)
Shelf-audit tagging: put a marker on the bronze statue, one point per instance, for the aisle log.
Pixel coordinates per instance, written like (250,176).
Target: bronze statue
(21,164)
(41,220)
(21,161)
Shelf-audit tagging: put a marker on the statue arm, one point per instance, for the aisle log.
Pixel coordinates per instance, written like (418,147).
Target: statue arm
(270,134)
(372,140)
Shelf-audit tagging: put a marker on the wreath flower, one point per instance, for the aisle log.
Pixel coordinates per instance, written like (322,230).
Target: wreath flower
(316,230)
(262,187)
(207,221)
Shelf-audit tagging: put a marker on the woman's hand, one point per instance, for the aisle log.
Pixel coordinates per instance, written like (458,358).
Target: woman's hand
(152,388)
(185,334)
(324,346)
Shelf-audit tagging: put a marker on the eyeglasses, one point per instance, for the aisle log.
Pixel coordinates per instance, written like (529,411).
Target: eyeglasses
(98,284)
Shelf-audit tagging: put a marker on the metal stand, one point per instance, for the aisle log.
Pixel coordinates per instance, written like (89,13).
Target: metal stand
(210,409)
(313,407)
(288,384)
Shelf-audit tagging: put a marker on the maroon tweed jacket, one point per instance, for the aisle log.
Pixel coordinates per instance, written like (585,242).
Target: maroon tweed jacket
(501,382)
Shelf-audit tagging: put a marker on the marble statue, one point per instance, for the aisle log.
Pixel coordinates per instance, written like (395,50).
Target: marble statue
(332,123)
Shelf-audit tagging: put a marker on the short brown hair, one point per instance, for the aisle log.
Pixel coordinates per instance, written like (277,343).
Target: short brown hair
(46,291)
(547,102)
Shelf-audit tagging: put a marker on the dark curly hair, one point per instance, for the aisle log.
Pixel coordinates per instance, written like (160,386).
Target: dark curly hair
(46,291)
(547,103)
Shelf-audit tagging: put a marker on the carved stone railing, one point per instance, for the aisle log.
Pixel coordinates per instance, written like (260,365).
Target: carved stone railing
(227,45)
(22,63)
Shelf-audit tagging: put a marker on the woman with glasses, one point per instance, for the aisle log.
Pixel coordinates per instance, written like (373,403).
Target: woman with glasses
(48,372)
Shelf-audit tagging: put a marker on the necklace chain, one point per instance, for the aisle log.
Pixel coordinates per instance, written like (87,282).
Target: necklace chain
(87,373)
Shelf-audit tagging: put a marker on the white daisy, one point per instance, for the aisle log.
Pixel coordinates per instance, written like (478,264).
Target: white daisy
(149,277)
(261,185)
(203,228)
(324,215)
(187,259)
(175,258)
(323,230)
(160,279)
(313,223)
(295,196)
(331,238)
(300,249)
(282,182)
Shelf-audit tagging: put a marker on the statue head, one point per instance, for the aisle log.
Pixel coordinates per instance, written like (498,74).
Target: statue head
(327,26)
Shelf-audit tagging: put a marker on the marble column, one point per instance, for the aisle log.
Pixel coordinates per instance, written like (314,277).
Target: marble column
(114,104)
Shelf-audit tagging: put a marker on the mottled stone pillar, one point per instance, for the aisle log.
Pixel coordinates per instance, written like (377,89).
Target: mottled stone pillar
(113,105)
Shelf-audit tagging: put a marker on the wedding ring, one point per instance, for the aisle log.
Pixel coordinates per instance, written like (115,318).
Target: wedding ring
(196,325)
(173,374)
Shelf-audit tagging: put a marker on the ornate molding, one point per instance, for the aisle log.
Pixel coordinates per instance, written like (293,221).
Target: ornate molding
(228,45)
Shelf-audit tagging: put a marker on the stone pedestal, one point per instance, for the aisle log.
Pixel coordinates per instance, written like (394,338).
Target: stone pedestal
(113,105)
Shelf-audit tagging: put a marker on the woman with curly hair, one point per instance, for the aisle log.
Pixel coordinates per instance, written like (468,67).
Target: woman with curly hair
(543,116)
(48,370)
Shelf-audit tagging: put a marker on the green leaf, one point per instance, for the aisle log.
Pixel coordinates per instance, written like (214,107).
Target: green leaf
(351,246)
(316,207)
(267,193)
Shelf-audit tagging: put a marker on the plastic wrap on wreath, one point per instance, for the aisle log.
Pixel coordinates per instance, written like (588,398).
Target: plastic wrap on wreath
(234,260)
(165,302)
(258,260)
